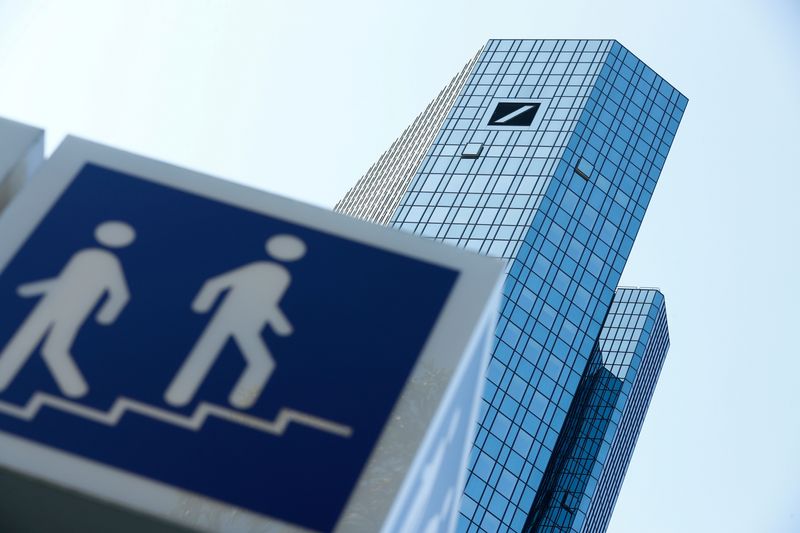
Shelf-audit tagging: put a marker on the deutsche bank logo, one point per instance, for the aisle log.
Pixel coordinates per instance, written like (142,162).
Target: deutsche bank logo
(514,114)
(189,341)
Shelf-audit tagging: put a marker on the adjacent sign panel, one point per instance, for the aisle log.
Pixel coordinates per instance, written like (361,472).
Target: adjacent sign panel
(179,335)
(21,153)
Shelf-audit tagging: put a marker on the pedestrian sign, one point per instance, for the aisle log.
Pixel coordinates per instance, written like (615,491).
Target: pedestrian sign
(174,343)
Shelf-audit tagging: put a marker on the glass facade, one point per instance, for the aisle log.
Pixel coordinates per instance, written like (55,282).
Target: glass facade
(547,155)
(378,192)
(594,447)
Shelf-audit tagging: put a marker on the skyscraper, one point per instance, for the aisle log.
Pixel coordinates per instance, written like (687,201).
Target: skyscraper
(545,153)
(595,445)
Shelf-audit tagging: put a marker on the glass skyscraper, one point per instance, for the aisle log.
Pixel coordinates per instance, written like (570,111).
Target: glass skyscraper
(545,153)
(597,439)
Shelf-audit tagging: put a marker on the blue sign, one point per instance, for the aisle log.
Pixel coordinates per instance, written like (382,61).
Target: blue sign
(209,347)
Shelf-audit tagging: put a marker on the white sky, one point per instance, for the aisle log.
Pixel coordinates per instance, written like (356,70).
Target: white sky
(300,97)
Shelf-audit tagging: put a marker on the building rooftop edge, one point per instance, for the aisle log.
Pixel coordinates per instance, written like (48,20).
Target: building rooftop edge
(606,40)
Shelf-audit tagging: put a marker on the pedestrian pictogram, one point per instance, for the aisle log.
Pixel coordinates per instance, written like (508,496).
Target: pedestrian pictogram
(67,302)
(251,301)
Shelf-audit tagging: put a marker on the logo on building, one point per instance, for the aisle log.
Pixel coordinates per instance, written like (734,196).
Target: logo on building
(514,114)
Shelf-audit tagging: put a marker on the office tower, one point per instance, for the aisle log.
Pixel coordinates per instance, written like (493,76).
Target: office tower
(545,153)
(585,473)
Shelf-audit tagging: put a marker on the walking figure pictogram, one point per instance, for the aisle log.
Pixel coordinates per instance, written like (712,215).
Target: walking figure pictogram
(252,295)
(67,303)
